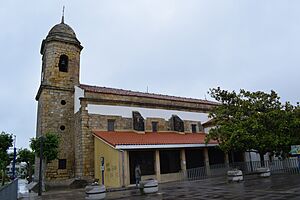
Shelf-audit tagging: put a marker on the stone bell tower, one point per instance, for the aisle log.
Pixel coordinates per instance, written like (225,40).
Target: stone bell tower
(60,73)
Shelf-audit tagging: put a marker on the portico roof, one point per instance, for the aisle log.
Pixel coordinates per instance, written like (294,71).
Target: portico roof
(146,140)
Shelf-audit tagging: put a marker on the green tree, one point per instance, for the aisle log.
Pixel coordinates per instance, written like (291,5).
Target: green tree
(27,156)
(6,142)
(252,120)
(50,150)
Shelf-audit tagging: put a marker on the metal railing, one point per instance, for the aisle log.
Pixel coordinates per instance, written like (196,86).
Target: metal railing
(9,191)
(288,166)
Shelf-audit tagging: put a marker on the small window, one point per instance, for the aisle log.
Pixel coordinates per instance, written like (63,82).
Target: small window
(154,126)
(62,163)
(63,102)
(110,125)
(194,128)
(63,63)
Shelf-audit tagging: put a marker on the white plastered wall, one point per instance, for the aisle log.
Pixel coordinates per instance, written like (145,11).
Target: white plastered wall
(78,93)
(126,111)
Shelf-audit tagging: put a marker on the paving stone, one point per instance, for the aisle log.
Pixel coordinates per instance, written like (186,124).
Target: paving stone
(277,187)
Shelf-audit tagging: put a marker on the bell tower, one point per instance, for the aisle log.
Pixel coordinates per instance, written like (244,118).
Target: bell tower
(60,52)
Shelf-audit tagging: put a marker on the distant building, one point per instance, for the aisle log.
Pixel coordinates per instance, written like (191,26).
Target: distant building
(105,132)
(19,167)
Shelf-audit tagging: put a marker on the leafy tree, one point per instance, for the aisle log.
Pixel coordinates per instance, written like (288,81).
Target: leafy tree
(253,120)
(6,142)
(27,156)
(50,150)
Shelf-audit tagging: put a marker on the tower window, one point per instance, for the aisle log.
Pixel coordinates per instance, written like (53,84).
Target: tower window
(110,125)
(63,102)
(63,63)
(62,127)
(62,164)
(194,128)
(154,126)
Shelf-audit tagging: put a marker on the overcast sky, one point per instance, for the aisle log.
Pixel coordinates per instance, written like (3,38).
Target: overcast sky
(180,48)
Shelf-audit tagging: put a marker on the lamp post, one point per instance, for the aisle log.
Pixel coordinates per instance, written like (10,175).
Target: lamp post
(40,170)
(14,160)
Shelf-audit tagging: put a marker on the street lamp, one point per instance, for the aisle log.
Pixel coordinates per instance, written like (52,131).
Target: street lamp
(14,160)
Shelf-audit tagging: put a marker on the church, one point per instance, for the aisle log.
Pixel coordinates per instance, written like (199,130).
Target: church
(105,132)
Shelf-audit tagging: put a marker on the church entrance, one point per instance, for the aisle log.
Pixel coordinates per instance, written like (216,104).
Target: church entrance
(146,161)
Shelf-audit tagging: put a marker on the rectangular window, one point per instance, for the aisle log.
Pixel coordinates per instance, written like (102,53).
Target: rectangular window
(154,126)
(62,163)
(110,125)
(194,128)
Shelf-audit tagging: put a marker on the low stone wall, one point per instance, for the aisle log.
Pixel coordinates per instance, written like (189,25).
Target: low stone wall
(148,177)
(9,191)
(171,177)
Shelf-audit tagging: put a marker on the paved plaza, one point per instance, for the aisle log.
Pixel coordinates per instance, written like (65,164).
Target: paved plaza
(274,187)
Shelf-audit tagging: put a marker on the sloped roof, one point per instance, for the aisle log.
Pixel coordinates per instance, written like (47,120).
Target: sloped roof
(149,138)
(106,90)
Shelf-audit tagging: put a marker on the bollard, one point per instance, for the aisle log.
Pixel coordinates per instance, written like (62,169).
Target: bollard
(95,191)
(263,172)
(148,186)
(235,175)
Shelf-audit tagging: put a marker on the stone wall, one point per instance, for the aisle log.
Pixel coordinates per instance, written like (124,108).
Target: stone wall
(188,126)
(163,125)
(78,147)
(50,70)
(99,122)
(85,145)
(58,118)
(56,104)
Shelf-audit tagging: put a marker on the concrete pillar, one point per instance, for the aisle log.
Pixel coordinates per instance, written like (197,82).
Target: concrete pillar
(226,158)
(122,168)
(206,159)
(126,169)
(157,166)
(183,162)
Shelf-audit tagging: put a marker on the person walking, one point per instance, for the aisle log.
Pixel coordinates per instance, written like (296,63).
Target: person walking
(138,174)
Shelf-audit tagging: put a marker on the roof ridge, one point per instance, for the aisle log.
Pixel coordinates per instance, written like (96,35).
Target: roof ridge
(157,95)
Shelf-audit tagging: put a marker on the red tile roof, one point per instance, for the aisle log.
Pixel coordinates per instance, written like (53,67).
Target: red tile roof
(98,89)
(150,138)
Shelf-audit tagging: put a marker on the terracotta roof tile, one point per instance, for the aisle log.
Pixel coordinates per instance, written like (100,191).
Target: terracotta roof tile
(98,89)
(150,138)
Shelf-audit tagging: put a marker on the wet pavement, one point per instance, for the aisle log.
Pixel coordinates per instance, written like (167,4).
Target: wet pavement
(22,188)
(274,187)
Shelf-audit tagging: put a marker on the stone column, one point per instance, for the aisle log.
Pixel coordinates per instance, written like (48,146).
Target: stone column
(157,166)
(226,159)
(126,169)
(122,167)
(206,159)
(183,162)
(182,159)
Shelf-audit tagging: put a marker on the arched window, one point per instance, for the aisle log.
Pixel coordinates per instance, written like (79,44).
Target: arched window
(63,63)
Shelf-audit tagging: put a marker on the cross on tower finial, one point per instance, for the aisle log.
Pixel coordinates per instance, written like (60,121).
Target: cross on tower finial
(63,15)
